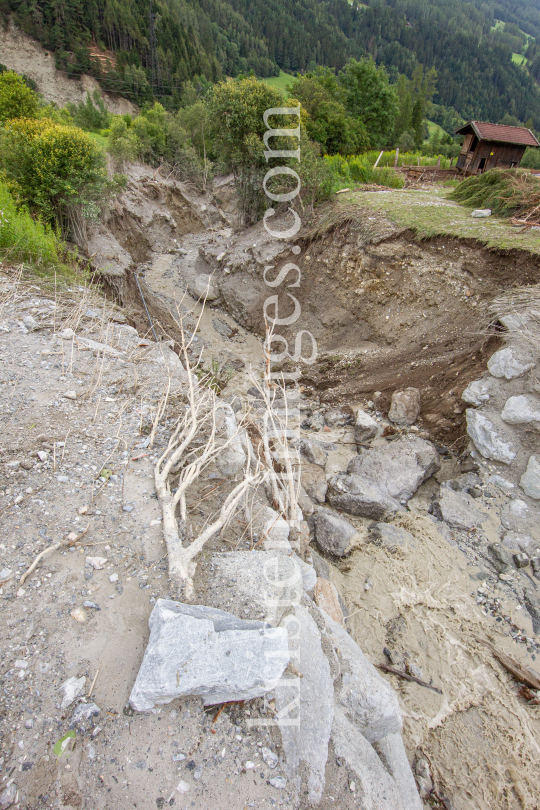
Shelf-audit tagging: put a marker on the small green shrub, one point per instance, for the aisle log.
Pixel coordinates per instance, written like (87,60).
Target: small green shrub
(23,239)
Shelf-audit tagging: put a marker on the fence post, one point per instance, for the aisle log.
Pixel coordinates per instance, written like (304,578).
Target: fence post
(377,161)
(396,159)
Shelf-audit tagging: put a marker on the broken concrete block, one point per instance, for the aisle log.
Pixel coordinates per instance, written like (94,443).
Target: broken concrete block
(196,650)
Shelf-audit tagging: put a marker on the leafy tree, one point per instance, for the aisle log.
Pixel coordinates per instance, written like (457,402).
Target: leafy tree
(368,96)
(92,113)
(17,100)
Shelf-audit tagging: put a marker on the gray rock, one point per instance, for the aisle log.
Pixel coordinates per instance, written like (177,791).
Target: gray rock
(480,213)
(365,427)
(358,496)
(83,714)
(8,796)
(521,410)
(204,287)
(502,483)
(392,753)
(458,510)
(405,407)
(339,417)
(266,582)
(487,440)
(306,705)
(501,558)
(400,467)
(533,607)
(514,514)
(530,480)
(334,534)
(312,451)
(232,458)
(269,757)
(391,537)
(30,323)
(377,788)
(477,392)
(278,782)
(367,699)
(196,650)
(71,688)
(509,363)
(514,540)
(314,482)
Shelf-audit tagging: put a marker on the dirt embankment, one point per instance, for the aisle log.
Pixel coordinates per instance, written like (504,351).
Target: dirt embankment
(387,310)
(25,55)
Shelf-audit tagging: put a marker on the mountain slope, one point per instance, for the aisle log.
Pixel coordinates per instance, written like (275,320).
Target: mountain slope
(155,49)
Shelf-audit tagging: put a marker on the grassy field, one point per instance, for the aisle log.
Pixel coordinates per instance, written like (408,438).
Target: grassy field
(430,213)
(100,139)
(434,129)
(519,59)
(279,81)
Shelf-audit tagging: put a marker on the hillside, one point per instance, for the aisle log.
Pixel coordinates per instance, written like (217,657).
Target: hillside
(141,50)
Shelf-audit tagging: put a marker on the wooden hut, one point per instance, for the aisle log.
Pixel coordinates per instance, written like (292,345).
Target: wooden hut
(487,146)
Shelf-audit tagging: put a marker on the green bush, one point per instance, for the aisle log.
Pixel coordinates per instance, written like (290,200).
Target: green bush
(23,239)
(360,169)
(54,168)
(17,100)
(90,114)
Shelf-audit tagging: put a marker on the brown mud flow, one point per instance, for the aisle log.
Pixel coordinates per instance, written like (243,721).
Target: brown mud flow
(387,309)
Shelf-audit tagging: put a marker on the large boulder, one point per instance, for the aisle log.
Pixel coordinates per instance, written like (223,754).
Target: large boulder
(357,495)
(487,439)
(515,515)
(202,651)
(399,467)
(405,407)
(392,753)
(306,705)
(521,410)
(509,363)
(390,537)
(333,534)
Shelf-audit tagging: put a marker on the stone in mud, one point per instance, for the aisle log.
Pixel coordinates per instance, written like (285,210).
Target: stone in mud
(405,407)
(204,287)
(399,468)
(530,480)
(8,796)
(339,417)
(391,537)
(334,534)
(326,598)
(514,540)
(509,363)
(392,753)
(357,495)
(477,392)
(365,427)
(197,650)
(457,509)
(501,558)
(533,607)
(312,452)
(487,440)
(377,788)
(514,514)
(521,410)
(314,482)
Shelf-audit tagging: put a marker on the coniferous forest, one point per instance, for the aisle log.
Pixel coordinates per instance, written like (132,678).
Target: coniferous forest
(485,52)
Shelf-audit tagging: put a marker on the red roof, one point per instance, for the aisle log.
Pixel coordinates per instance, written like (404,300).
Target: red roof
(500,133)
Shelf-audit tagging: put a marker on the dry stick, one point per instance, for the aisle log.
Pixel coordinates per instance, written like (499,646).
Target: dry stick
(407,677)
(513,667)
(63,543)
(94,682)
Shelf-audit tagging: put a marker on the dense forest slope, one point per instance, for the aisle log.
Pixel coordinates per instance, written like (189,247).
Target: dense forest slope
(152,47)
